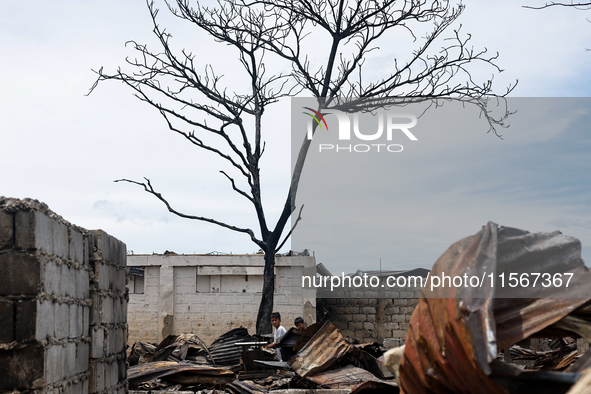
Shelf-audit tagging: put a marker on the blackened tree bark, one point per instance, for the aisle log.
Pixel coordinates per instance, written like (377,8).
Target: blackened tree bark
(197,105)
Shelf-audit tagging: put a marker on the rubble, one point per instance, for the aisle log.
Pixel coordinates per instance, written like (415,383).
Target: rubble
(324,360)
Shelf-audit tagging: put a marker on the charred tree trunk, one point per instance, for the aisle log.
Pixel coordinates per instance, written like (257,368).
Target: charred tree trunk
(266,306)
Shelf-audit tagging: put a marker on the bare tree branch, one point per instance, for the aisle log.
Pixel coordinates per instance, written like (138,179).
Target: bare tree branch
(249,198)
(580,6)
(291,230)
(148,187)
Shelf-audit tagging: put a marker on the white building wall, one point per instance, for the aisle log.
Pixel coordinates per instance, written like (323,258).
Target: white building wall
(142,318)
(209,295)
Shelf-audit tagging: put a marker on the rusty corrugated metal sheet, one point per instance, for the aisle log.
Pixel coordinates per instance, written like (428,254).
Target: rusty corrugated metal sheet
(455,333)
(224,352)
(245,388)
(308,333)
(325,348)
(351,378)
(179,373)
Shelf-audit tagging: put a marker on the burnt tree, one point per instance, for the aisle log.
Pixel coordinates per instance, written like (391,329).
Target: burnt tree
(281,34)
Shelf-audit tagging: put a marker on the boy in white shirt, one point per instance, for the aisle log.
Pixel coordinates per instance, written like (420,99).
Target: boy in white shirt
(278,331)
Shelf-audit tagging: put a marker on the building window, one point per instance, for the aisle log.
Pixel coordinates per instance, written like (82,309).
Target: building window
(229,279)
(204,283)
(135,282)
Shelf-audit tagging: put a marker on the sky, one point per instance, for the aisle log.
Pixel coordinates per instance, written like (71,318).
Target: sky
(65,148)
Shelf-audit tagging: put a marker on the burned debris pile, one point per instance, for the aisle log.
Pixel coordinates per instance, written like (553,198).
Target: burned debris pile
(322,358)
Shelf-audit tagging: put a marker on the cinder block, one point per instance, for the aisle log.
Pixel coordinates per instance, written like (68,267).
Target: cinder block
(54,364)
(108,247)
(116,313)
(397,318)
(97,377)
(77,388)
(98,341)
(368,326)
(114,375)
(20,273)
(62,321)
(52,277)
(125,336)
(105,277)
(360,318)
(121,341)
(122,370)
(96,309)
(110,342)
(391,310)
(101,275)
(69,360)
(113,277)
(82,357)
(76,321)
(352,309)
(76,246)
(107,310)
(26,319)
(121,310)
(33,230)
(7,316)
(108,372)
(399,333)
(60,239)
(118,252)
(22,367)
(82,283)
(122,279)
(85,386)
(6,230)
(67,282)
(88,249)
(85,320)
(45,319)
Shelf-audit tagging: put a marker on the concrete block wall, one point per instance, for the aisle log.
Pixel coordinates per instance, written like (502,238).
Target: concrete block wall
(172,304)
(108,320)
(46,301)
(143,310)
(376,318)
